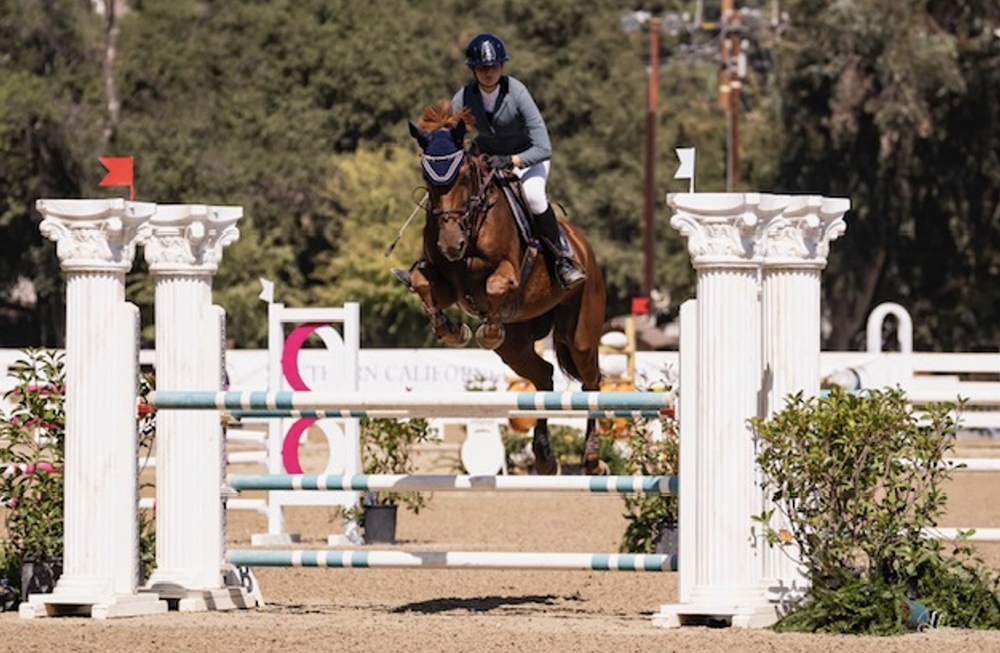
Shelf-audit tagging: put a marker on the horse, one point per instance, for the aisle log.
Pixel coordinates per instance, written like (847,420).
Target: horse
(475,256)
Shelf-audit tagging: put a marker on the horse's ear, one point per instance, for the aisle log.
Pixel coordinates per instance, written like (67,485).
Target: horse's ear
(458,132)
(422,137)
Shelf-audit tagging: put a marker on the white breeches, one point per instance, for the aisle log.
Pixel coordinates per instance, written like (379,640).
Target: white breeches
(533,180)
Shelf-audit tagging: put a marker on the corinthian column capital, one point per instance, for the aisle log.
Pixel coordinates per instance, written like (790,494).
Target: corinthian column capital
(93,235)
(801,234)
(188,239)
(722,228)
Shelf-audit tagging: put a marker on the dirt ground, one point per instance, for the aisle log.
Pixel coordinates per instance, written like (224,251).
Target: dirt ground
(383,610)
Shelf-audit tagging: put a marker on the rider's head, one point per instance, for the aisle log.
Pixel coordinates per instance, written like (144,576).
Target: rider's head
(485,56)
(485,49)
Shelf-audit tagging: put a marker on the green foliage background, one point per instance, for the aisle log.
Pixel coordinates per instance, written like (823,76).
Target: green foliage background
(297,111)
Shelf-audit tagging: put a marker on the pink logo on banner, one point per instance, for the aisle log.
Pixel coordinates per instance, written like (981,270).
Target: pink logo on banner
(290,368)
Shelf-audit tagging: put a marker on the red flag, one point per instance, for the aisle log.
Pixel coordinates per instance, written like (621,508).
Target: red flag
(119,173)
(640,305)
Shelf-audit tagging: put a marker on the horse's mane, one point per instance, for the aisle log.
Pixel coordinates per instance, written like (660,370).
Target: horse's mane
(439,116)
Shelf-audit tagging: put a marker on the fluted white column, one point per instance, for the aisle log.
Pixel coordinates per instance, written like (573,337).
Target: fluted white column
(183,247)
(95,242)
(793,248)
(724,574)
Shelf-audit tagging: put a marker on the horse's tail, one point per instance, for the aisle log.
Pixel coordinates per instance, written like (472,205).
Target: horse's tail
(566,363)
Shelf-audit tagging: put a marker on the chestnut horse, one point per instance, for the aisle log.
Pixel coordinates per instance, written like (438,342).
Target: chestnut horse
(475,256)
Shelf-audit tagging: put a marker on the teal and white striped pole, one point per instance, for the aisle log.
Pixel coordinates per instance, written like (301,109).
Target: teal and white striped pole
(405,414)
(663,485)
(441,404)
(453,560)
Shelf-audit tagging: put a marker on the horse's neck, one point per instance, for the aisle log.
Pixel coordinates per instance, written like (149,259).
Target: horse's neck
(498,232)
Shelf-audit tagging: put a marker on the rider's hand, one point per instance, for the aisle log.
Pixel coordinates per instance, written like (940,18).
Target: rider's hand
(500,161)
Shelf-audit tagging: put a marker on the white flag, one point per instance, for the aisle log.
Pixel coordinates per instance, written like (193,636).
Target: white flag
(686,157)
(267,294)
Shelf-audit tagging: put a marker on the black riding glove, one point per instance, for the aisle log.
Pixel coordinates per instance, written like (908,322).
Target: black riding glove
(500,161)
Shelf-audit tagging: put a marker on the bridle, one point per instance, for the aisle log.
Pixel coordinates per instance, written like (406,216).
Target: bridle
(469,218)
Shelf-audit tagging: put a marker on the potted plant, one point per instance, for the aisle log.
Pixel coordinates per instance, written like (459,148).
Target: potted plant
(652,450)
(31,462)
(387,448)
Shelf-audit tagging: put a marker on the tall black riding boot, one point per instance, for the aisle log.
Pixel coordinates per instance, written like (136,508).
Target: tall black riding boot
(562,254)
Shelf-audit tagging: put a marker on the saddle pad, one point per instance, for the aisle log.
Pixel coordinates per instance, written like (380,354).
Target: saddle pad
(520,215)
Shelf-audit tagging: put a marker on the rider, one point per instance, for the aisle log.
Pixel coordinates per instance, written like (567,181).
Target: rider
(512,133)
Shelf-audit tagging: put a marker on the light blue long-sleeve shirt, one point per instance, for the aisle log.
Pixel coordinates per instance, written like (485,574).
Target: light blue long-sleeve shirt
(516,125)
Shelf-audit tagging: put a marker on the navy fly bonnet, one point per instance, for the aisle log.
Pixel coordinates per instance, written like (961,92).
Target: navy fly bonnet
(443,154)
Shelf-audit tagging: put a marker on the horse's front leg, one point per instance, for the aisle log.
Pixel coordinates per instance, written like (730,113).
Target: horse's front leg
(436,297)
(501,285)
(592,463)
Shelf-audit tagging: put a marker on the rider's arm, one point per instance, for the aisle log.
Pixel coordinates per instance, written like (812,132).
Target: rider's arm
(541,148)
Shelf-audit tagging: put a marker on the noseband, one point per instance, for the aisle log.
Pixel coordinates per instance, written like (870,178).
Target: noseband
(477,205)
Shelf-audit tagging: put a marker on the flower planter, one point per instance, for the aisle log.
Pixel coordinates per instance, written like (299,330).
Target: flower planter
(380,524)
(8,595)
(666,543)
(39,577)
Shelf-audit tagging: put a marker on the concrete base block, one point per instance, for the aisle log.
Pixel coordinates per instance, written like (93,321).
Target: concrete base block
(108,607)
(756,616)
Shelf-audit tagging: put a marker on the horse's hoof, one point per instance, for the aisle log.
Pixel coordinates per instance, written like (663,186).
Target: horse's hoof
(457,336)
(464,336)
(547,467)
(595,467)
(490,336)
(545,463)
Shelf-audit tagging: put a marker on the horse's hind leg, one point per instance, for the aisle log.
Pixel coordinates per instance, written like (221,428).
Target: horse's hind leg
(436,296)
(518,352)
(576,342)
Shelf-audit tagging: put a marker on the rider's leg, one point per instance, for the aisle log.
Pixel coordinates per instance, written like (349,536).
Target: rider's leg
(533,181)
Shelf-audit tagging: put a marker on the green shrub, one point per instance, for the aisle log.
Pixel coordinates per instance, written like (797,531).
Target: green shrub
(32,436)
(387,448)
(858,479)
(649,454)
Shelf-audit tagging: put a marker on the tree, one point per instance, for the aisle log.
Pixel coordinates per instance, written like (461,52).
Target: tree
(374,189)
(50,126)
(873,94)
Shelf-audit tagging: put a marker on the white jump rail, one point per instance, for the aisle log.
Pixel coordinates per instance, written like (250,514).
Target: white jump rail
(662,485)
(454,560)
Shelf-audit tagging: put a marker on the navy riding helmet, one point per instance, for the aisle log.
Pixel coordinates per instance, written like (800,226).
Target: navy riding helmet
(485,49)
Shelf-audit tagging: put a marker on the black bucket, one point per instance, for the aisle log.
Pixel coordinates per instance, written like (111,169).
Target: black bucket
(39,577)
(380,524)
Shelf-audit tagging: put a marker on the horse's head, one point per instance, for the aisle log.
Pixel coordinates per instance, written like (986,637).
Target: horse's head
(453,178)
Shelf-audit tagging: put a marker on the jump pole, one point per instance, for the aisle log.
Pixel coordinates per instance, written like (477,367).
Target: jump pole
(659,485)
(453,560)
(442,404)
(405,414)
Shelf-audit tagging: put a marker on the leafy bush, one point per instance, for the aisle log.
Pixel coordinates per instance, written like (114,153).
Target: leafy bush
(650,452)
(32,445)
(147,517)
(32,442)
(387,448)
(858,479)
(516,449)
